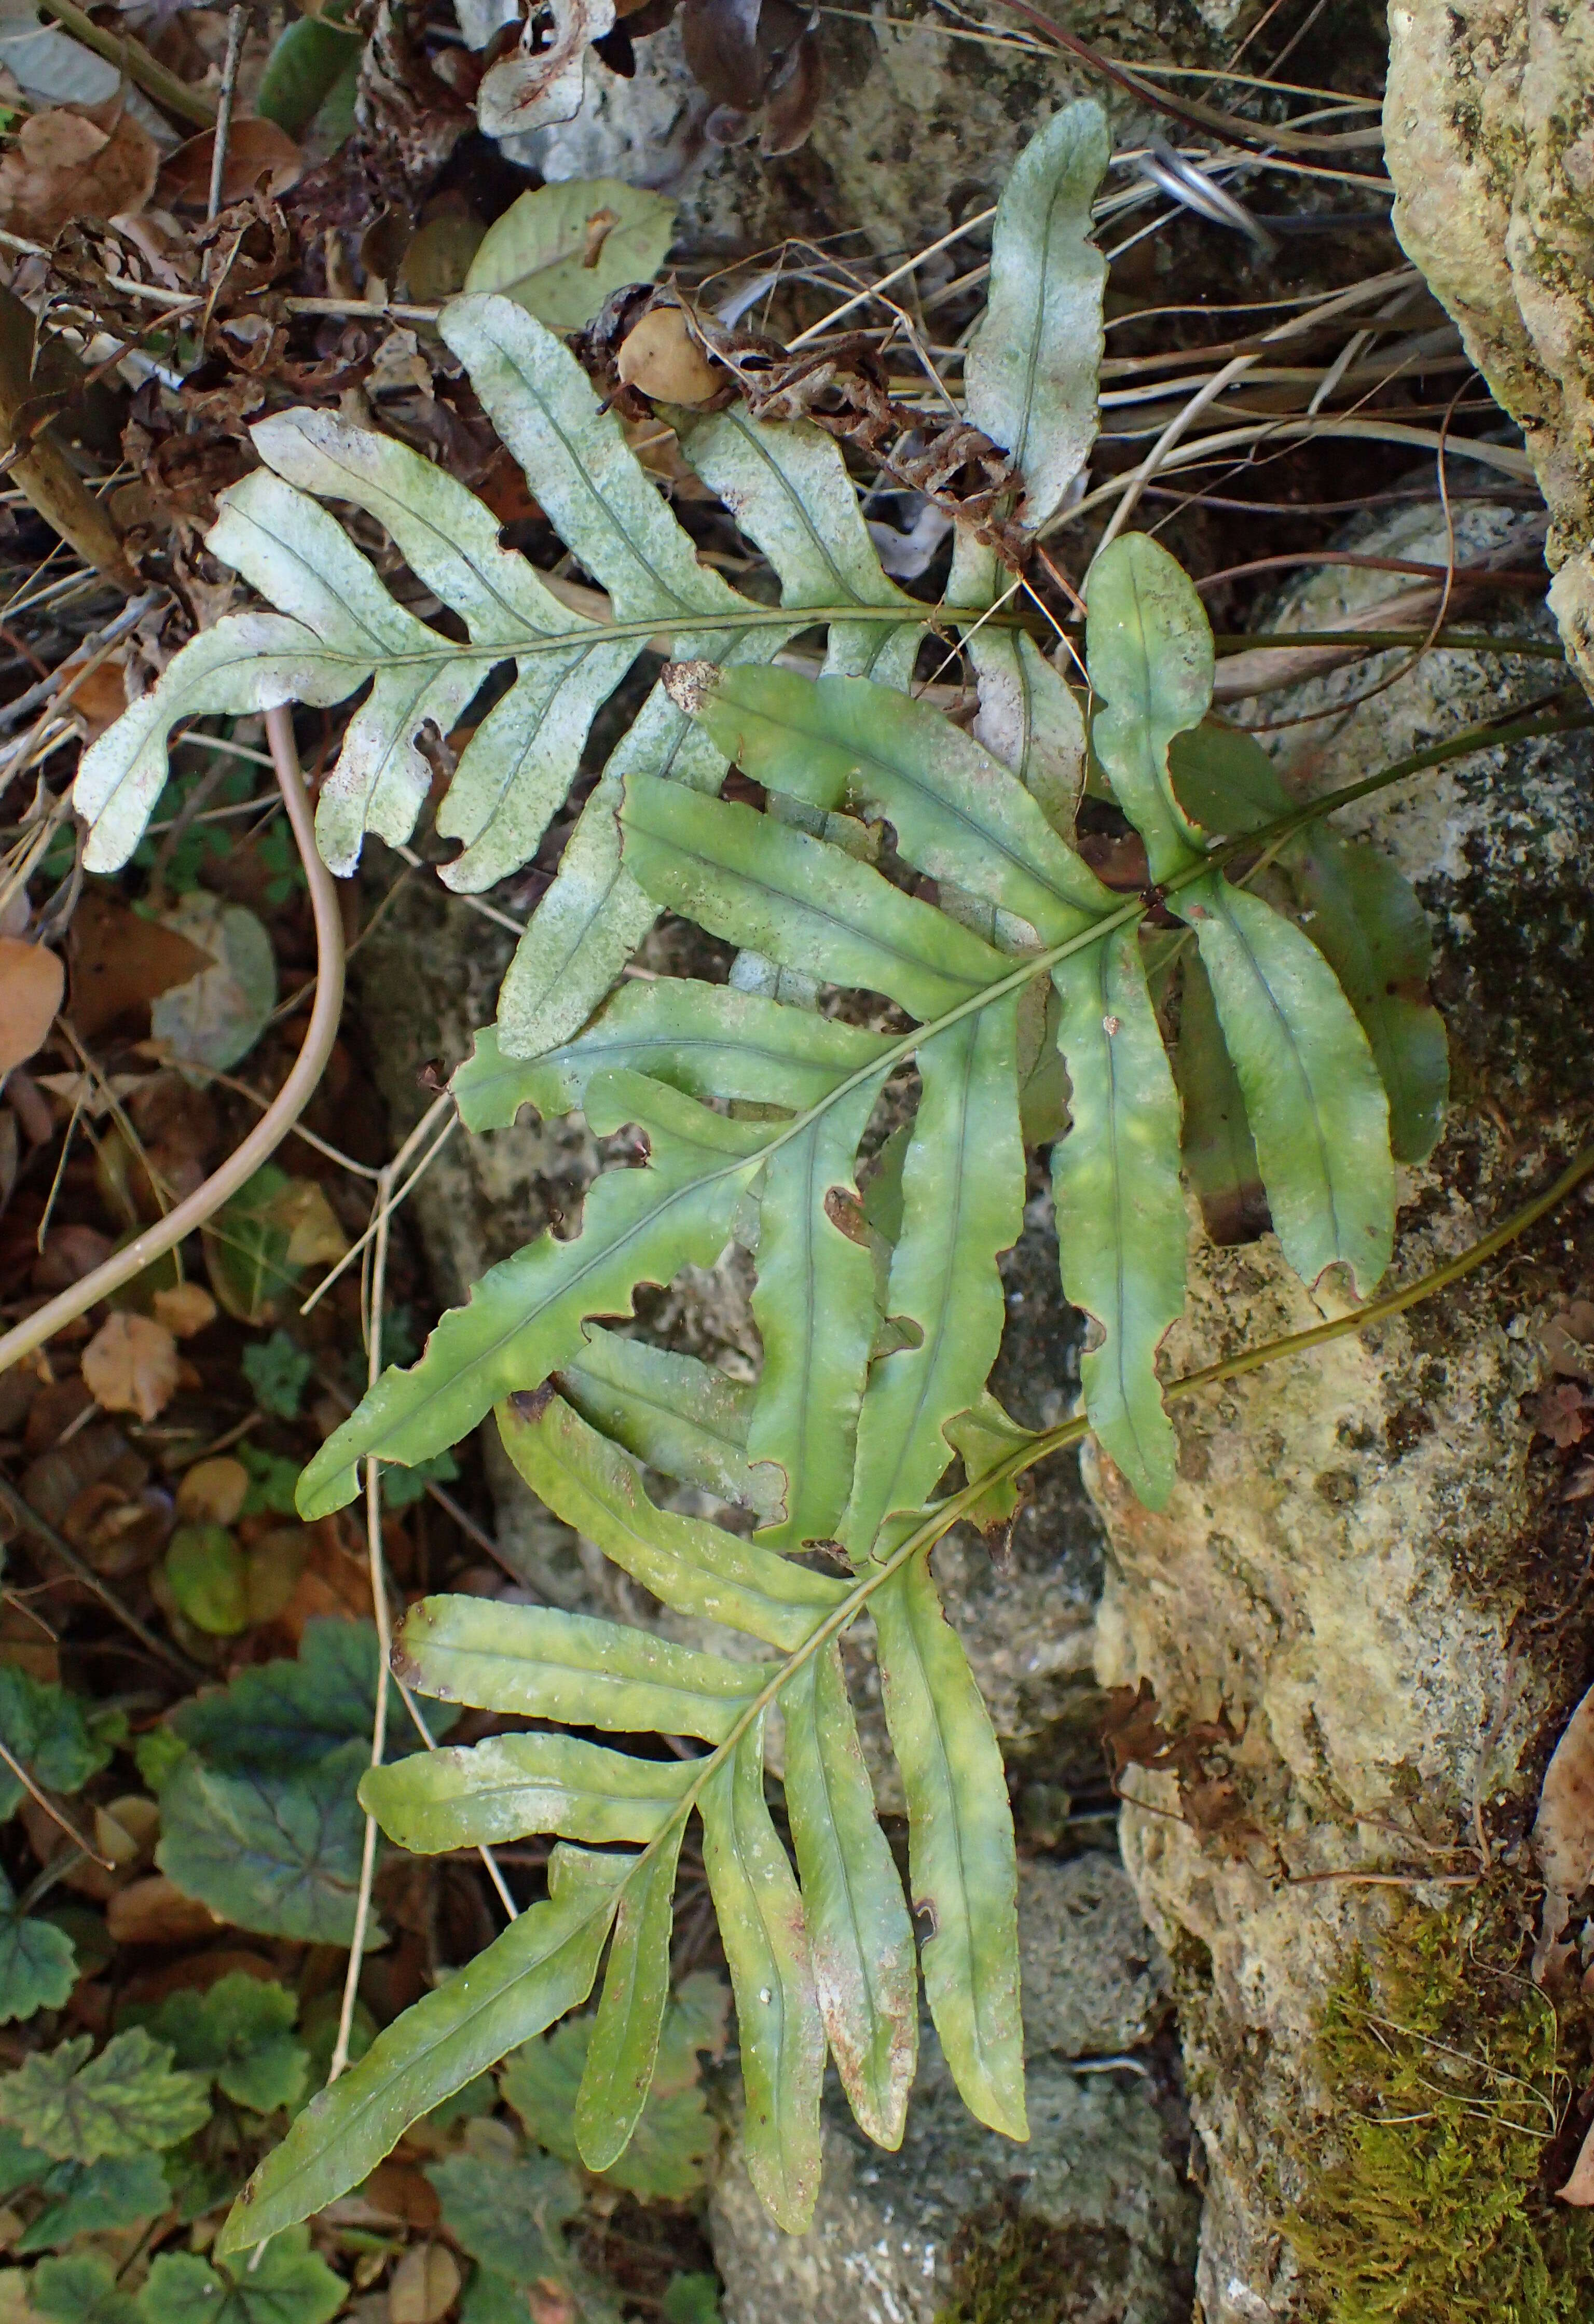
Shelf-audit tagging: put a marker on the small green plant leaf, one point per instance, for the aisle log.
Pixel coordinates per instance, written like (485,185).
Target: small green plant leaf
(305,65)
(90,2198)
(506,2210)
(241,2033)
(278,1372)
(278,1717)
(691,2300)
(815,1308)
(788,489)
(962,1864)
(781,2033)
(125,2101)
(664,2159)
(79,2289)
(276,1852)
(541,1965)
(677,1414)
(540,252)
(1149,646)
(1363,916)
(208,1577)
(45,1728)
(290,2285)
(38,1961)
(1313,1097)
(844,744)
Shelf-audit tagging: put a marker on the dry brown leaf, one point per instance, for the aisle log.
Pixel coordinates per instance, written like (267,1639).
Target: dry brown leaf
(1579,2189)
(130,1365)
(256,149)
(99,700)
(424,2286)
(184,1308)
(121,962)
(156,1912)
(212,1491)
(69,163)
(1564,1830)
(1559,1413)
(32,984)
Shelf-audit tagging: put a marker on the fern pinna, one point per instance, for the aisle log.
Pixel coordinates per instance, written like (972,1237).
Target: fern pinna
(1014,1001)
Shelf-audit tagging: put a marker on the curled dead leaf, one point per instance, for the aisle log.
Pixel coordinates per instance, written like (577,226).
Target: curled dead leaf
(32,984)
(1563,1829)
(156,1912)
(130,1365)
(256,150)
(73,161)
(528,91)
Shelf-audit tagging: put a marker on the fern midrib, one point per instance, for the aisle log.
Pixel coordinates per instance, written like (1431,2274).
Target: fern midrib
(1034,965)
(662,624)
(579,465)
(755,438)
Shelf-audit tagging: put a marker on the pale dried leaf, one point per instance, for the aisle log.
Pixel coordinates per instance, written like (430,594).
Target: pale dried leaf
(31,982)
(65,166)
(184,1308)
(130,1365)
(424,2286)
(1564,1830)
(212,1491)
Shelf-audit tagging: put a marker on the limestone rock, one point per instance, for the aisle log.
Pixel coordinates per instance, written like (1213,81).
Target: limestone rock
(1344,1559)
(1489,135)
(1099,2185)
(922,117)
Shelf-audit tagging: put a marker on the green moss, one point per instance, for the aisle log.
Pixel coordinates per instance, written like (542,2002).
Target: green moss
(1010,2267)
(1451,2076)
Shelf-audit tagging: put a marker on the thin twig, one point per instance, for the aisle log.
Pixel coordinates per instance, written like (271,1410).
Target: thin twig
(51,1811)
(362,1911)
(237,23)
(275,1124)
(387,1201)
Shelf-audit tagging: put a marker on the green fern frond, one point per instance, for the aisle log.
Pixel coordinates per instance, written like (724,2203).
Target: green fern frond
(1004,974)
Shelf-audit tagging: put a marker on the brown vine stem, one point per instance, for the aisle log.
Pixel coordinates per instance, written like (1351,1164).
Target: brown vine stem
(279,1117)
